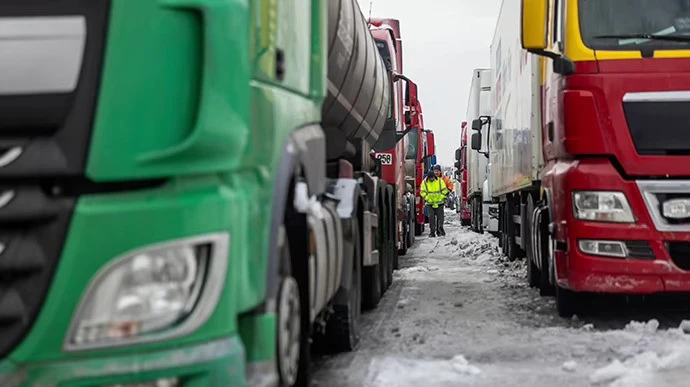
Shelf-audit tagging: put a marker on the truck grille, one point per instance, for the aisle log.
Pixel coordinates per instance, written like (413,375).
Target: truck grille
(51,57)
(32,231)
(659,127)
(639,250)
(46,114)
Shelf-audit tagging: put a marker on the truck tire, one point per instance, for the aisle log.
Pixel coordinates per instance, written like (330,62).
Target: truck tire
(528,238)
(504,227)
(394,229)
(405,237)
(393,214)
(341,330)
(567,302)
(418,229)
(543,244)
(384,255)
(292,315)
(512,247)
(411,222)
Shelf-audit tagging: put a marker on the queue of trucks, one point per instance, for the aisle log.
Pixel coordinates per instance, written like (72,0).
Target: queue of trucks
(587,146)
(182,206)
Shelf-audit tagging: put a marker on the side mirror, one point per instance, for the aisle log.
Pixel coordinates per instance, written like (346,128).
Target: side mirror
(477,124)
(534,21)
(458,164)
(433,160)
(477,141)
(458,154)
(431,143)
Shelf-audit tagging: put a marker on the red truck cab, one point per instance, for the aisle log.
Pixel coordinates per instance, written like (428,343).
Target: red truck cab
(461,175)
(386,35)
(616,107)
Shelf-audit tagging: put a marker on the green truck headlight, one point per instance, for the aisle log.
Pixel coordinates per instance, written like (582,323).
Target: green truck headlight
(155,293)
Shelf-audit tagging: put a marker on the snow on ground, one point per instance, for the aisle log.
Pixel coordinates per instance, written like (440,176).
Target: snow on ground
(460,314)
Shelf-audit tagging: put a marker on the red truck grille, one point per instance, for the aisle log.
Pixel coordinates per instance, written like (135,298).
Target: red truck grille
(659,123)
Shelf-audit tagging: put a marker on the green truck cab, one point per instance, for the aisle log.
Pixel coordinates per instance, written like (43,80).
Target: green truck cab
(173,208)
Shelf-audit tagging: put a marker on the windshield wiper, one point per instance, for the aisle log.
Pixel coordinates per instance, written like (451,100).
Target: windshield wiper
(670,38)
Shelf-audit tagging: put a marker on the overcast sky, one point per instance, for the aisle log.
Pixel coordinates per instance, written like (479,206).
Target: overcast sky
(443,41)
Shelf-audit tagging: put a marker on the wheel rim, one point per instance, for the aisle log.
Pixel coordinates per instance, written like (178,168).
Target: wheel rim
(289,331)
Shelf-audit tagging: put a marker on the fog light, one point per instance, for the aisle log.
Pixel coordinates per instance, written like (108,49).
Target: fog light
(170,382)
(677,208)
(157,292)
(603,248)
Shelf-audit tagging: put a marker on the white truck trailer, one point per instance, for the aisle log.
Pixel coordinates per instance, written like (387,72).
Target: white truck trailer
(478,105)
(514,131)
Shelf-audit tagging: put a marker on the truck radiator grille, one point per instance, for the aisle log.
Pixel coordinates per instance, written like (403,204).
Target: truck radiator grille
(659,128)
(639,250)
(680,254)
(51,59)
(32,231)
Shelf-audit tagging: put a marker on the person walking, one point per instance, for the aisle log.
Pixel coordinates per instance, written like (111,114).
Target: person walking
(434,192)
(449,184)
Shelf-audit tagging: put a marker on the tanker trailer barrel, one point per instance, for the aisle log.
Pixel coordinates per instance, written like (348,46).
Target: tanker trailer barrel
(358,99)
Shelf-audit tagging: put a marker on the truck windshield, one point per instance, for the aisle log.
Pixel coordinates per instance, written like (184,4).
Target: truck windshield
(412,144)
(635,24)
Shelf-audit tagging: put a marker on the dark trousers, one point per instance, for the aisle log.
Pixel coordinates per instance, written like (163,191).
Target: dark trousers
(435,219)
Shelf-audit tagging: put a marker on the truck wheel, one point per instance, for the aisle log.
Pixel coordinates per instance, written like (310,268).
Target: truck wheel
(511,248)
(504,231)
(292,328)
(383,246)
(406,239)
(418,229)
(411,223)
(532,268)
(567,302)
(544,252)
(341,330)
(391,235)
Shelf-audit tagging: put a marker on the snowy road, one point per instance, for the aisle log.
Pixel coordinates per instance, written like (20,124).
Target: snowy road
(459,315)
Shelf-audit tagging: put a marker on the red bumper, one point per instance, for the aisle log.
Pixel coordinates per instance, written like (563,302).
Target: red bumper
(578,271)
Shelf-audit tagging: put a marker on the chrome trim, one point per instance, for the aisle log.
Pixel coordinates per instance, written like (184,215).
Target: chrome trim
(206,304)
(649,190)
(658,96)
(41,54)
(10,155)
(6,197)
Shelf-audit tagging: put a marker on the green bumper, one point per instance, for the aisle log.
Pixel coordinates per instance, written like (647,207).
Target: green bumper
(105,226)
(215,363)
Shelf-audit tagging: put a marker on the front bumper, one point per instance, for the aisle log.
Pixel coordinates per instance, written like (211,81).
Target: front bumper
(214,363)
(658,259)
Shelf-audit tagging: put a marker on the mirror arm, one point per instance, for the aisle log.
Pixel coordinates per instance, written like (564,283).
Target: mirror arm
(404,133)
(546,53)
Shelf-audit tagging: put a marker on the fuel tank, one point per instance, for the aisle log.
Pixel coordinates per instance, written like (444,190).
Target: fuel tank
(358,100)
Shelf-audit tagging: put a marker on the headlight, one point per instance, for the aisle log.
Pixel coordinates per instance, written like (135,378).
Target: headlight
(602,206)
(157,292)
